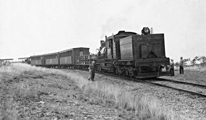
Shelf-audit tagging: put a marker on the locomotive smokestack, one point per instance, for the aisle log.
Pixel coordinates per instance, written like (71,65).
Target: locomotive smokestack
(101,43)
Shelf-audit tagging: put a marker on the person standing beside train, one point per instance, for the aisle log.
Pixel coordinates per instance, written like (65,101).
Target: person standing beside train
(92,68)
(181,65)
(172,68)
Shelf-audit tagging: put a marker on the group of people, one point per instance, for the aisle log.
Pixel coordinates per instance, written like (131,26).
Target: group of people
(181,66)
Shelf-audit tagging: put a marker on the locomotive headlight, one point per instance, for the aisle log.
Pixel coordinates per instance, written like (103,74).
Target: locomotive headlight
(145,31)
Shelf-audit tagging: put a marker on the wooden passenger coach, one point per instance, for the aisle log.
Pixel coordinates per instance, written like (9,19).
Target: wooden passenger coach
(51,59)
(74,57)
(37,60)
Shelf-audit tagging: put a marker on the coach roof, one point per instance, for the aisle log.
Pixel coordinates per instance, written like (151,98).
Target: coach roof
(59,51)
(73,49)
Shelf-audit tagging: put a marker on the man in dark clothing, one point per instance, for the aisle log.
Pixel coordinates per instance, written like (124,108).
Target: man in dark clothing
(92,71)
(181,65)
(172,68)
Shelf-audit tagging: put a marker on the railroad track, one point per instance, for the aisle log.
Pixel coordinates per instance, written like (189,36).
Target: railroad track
(196,90)
(185,87)
(179,82)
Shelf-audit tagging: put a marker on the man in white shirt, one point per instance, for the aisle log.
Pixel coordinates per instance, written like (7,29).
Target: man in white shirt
(181,65)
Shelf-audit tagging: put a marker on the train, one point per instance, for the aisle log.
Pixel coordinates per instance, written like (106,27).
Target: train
(78,57)
(125,53)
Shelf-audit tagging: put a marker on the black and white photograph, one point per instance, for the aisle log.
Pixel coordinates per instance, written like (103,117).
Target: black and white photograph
(102,60)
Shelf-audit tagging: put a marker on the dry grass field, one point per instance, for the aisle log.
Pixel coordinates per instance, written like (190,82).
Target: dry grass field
(183,105)
(196,68)
(193,68)
(194,74)
(32,93)
(29,92)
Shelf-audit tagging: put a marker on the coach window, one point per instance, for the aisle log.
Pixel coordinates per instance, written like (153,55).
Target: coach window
(81,53)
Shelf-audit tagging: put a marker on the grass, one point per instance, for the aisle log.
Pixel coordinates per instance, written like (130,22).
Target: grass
(14,93)
(144,105)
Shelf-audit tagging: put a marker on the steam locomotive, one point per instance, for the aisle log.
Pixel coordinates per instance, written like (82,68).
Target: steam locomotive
(125,53)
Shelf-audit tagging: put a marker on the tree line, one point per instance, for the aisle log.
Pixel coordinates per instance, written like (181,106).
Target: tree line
(197,60)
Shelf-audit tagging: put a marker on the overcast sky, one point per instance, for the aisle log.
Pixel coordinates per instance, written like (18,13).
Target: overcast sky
(29,27)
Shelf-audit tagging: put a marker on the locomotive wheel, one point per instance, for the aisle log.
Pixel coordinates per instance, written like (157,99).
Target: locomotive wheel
(116,71)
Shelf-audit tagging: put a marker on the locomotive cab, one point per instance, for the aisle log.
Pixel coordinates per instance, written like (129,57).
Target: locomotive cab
(109,51)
